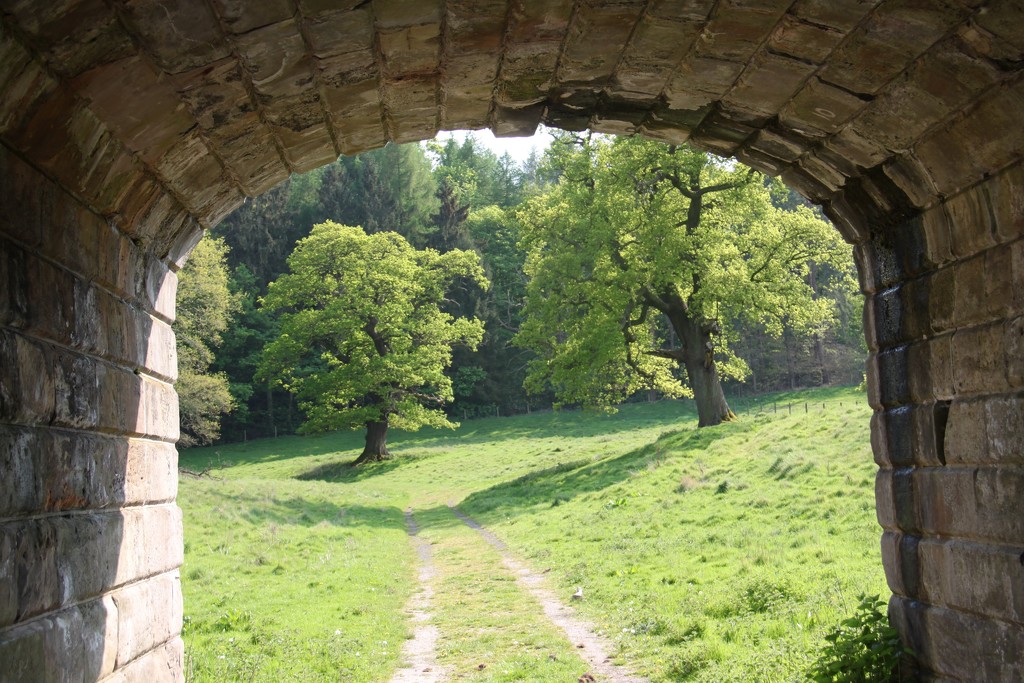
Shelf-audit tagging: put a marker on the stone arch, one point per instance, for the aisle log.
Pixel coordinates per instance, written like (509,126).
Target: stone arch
(127,127)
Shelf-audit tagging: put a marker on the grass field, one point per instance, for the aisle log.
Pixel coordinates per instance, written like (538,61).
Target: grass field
(720,554)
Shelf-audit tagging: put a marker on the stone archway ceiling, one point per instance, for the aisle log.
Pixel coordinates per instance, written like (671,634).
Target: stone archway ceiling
(128,101)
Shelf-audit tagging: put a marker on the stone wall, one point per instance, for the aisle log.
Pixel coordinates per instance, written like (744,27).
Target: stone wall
(90,537)
(127,127)
(946,312)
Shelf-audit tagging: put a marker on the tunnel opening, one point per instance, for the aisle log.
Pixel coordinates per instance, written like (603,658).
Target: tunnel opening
(122,142)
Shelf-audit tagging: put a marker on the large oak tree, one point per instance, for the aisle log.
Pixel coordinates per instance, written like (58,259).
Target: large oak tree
(641,256)
(365,339)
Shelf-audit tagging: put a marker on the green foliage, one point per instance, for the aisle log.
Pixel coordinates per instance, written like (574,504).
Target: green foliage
(635,228)
(363,335)
(205,308)
(387,189)
(863,649)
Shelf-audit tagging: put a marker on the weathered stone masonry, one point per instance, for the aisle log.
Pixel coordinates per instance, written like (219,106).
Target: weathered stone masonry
(128,126)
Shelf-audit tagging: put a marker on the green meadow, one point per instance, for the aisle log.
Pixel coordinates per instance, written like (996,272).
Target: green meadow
(720,554)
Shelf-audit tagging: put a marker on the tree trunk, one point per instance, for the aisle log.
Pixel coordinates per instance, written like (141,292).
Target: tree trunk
(376,443)
(699,361)
(819,356)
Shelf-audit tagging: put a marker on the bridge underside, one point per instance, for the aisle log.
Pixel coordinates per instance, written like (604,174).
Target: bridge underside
(127,127)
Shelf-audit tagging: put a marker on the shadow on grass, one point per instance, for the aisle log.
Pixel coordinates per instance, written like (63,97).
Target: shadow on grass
(558,424)
(561,483)
(345,472)
(261,510)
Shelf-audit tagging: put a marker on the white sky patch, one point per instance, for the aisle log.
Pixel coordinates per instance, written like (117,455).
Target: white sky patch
(518,148)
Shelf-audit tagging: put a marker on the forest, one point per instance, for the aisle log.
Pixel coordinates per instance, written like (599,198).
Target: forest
(593,254)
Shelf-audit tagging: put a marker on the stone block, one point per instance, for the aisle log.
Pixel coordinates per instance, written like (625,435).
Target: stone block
(736,35)
(70,645)
(656,46)
(897,430)
(810,43)
(182,244)
(595,41)
(25,85)
(161,290)
(900,115)
(823,170)
(820,107)
(54,317)
(970,223)
(977,578)
(538,21)
(1013,344)
(1006,200)
(979,360)
(241,17)
(57,471)
(885,317)
(938,240)
(940,351)
(914,301)
(360,134)
(158,408)
(161,665)
(465,109)
(151,544)
(952,74)
(960,154)
(161,356)
(970,303)
(905,498)
(150,472)
(885,508)
(942,285)
(901,563)
(474,27)
(156,119)
(1004,429)
(926,434)
(414,50)
(161,28)
(398,13)
(14,305)
(29,574)
(975,502)
(144,620)
(30,396)
(960,646)
(76,390)
(966,440)
(340,32)
(892,383)
(860,150)
(919,372)
(908,174)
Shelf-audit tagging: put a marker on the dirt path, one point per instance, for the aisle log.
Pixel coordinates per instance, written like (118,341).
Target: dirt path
(419,652)
(593,648)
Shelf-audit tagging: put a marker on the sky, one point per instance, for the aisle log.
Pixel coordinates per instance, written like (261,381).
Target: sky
(518,148)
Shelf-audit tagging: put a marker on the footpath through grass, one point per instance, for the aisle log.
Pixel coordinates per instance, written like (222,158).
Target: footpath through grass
(709,555)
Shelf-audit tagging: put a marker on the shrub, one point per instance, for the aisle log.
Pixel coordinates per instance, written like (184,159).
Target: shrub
(864,648)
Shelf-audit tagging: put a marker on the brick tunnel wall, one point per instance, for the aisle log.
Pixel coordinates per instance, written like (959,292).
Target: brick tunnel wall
(946,372)
(90,537)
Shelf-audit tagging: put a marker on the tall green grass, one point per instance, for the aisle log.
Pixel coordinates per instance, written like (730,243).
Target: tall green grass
(714,554)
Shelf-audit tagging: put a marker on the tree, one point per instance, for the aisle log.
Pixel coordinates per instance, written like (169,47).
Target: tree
(390,188)
(364,341)
(639,259)
(205,307)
